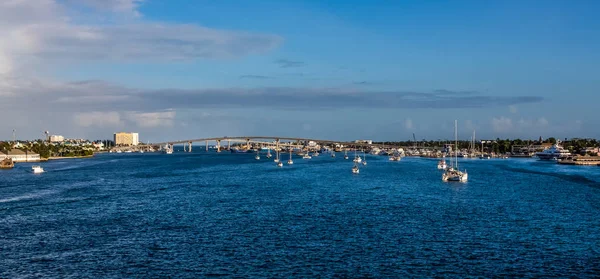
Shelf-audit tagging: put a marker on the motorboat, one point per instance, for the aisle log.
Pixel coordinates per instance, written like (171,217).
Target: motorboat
(306,156)
(280,164)
(37,169)
(555,152)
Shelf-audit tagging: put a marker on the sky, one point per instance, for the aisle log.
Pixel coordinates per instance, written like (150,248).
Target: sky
(338,70)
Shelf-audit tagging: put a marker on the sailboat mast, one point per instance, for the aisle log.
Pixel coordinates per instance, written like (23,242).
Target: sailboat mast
(456,142)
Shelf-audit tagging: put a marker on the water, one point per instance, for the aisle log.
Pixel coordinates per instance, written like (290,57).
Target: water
(199,215)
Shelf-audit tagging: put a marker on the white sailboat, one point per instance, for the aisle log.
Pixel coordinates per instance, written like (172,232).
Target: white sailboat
(355,169)
(290,162)
(453,173)
(357,158)
(345,154)
(279,163)
(257,157)
(269,153)
(364,162)
(332,153)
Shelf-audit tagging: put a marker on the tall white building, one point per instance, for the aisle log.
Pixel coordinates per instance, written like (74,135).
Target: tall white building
(123,138)
(135,138)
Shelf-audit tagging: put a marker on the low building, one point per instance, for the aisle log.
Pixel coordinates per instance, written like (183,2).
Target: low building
(57,138)
(126,139)
(18,155)
(364,141)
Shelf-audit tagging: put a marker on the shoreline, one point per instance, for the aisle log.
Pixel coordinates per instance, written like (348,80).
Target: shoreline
(74,157)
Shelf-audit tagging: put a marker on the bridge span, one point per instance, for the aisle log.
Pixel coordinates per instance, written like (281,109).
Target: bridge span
(266,140)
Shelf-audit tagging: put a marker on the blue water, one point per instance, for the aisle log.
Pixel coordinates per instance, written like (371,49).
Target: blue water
(206,214)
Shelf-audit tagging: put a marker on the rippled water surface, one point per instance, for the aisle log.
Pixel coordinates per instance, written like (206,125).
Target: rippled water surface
(206,214)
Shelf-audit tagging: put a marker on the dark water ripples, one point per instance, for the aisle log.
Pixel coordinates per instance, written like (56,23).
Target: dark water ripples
(200,215)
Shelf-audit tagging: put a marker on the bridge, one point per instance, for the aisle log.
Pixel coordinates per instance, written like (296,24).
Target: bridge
(264,141)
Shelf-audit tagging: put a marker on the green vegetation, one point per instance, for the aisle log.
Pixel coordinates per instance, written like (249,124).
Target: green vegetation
(51,150)
(502,146)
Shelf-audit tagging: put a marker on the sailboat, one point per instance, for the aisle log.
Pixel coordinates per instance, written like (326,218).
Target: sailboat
(279,163)
(257,157)
(364,162)
(346,154)
(357,158)
(355,169)
(269,153)
(290,162)
(332,153)
(453,173)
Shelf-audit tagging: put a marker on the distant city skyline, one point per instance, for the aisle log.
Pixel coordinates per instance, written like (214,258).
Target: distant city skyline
(340,70)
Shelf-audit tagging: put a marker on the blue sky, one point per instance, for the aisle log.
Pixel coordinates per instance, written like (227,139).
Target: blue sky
(325,69)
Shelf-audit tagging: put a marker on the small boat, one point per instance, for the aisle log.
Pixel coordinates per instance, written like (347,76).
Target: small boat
(346,154)
(442,165)
(485,156)
(306,156)
(357,159)
(355,169)
(332,154)
(290,162)
(37,169)
(364,162)
(316,154)
(280,164)
(7,163)
(128,151)
(451,174)
(119,151)
(269,153)
(141,151)
(277,158)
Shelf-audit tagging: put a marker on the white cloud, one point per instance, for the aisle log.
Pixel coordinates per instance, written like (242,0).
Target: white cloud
(502,124)
(408,124)
(151,119)
(127,6)
(43,30)
(98,119)
(542,121)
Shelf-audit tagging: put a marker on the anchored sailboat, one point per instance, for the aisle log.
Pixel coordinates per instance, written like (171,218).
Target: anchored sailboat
(453,173)
(290,162)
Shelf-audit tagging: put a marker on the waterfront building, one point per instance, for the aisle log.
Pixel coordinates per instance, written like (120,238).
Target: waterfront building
(364,141)
(57,138)
(129,139)
(18,155)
